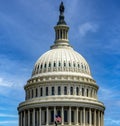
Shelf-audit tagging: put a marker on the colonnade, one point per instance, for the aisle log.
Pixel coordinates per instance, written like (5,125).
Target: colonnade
(44,116)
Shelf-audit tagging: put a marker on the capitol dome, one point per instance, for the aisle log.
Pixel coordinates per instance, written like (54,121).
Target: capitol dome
(64,60)
(61,89)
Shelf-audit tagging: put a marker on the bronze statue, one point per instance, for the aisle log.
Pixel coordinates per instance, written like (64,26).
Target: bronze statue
(61,8)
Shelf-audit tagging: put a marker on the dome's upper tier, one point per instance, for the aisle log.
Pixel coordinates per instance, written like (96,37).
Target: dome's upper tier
(61,60)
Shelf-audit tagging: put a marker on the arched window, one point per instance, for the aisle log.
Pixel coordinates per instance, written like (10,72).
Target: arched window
(82,91)
(36,92)
(64,64)
(41,66)
(65,90)
(59,90)
(53,91)
(82,66)
(74,64)
(77,91)
(71,90)
(87,92)
(59,64)
(49,64)
(46,91)
(54,64)
(41,91)
(45,65)
(32,94)
(69,64)
(78,65)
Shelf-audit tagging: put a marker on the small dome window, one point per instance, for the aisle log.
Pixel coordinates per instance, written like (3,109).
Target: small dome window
(71,90)
(82,91)
(46,91)
(59,64)
(38,67)
(74,64)
(69,64)
(49,64)
(77,91)
(36,92)
(59,90)
(54,64)
(41,66)
(65,90)
(82,66)
(45,65)
(64,64)
(78,65)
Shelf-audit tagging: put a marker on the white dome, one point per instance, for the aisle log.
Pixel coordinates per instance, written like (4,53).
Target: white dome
(61,60)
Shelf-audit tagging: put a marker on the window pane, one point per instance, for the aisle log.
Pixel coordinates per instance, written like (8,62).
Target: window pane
(77,91)
(46,91)
(53,91)
(65,90)
(71,90)
(59,90)
(41,91)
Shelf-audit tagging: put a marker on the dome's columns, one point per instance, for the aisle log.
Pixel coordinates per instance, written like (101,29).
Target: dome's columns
(62,115)
(94,117)
(69,115)
(28,117)
(33,117)
(54,111)
(47,115)
(98,118)
(90,117)
(39,116)
(77,116)
(20,118)
(24,118)
(80,117)
(84,116)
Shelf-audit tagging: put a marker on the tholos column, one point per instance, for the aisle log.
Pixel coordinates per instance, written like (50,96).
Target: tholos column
(90,117)
(69,115)
(47,117)
(24,118)
(39,116)
(33,117)
(62,115)
(28,117)
(81,117)
(94,117)
(84,116)
(77,116)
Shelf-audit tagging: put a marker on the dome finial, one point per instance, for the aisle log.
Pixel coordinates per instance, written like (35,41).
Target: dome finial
(61,16)
(61,9)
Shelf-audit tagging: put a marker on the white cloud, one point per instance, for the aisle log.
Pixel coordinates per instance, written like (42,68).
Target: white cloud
(7,115)
(87,27)
(5,83)
(112,121)
(8,122)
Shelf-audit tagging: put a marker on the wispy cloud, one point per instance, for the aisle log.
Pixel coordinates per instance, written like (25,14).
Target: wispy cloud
(87,27)
(5,83)
(7,115)
(9,122)
(112,122)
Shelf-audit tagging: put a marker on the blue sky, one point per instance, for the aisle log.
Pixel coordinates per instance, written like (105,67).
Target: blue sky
(26,32)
